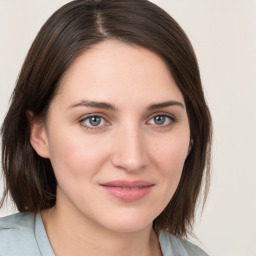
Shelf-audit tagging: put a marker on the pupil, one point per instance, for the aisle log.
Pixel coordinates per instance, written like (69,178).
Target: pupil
(159,120)
(94,120)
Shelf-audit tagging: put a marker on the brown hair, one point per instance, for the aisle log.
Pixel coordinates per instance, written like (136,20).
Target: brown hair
(70,31)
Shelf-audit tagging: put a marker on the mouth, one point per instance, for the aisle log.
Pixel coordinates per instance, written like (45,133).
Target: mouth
(128,191)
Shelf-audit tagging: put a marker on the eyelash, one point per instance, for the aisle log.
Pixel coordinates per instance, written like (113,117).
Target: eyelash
(172,121)
(82,121)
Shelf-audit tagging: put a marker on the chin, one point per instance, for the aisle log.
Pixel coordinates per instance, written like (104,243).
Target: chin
(128,222)
(126,228)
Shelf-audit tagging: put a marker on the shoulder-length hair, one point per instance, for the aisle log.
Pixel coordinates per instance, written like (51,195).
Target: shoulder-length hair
(70,31)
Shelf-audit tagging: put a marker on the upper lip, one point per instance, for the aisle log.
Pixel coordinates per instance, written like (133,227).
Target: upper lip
(128,184)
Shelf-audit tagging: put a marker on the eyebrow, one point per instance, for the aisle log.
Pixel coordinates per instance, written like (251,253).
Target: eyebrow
(94,104)
(166,104)
(109,106)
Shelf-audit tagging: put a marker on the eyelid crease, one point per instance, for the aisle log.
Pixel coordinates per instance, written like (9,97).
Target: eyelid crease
(172,116)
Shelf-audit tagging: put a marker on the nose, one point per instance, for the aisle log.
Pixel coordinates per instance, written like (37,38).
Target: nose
(129,150)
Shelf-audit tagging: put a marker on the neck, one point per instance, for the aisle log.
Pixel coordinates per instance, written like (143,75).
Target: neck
(71,233)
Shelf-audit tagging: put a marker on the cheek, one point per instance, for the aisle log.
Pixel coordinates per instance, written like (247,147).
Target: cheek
(76,155)
(169,156)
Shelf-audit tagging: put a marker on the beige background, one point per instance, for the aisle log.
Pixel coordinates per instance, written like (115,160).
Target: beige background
(224,37)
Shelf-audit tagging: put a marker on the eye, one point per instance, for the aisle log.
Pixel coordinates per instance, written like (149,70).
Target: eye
(162,120)
(93,121)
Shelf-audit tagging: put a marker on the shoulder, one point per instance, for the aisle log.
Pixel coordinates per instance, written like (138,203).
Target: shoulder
(17,234)
(17,223)
(17,220)
(170,243)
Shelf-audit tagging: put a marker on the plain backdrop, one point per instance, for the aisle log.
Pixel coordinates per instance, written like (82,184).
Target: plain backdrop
(223,34)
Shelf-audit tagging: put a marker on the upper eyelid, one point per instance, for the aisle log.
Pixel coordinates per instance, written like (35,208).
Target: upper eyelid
(172,116)
(93,114)
(148,116)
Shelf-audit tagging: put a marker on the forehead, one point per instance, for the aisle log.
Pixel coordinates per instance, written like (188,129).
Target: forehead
(115,71)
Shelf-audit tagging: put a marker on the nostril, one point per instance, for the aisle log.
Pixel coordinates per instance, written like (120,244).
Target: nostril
(129,161)
(129,165)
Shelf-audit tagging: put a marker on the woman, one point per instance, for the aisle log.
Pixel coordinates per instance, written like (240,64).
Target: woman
(107,138)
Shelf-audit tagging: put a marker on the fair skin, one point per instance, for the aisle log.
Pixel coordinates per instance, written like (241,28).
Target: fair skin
(118,116)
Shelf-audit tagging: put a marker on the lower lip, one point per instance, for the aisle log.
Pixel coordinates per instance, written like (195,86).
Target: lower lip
(128,195)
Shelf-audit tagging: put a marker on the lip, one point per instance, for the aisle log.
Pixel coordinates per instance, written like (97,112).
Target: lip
(128,191)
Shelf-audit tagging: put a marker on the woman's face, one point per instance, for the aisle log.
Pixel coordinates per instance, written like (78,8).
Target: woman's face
(117,135)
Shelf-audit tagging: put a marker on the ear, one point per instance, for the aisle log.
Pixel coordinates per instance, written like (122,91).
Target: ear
(190,146)
(38,135)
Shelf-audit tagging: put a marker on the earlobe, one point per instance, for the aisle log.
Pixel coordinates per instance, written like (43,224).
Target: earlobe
(38,135)
(190,146)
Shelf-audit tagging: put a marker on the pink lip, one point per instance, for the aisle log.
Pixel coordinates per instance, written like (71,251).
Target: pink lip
(128,191)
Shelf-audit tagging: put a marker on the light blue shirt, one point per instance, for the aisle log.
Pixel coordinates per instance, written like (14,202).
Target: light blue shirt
(24,234)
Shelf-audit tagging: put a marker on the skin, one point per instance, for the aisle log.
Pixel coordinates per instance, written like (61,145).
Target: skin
(128,144)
